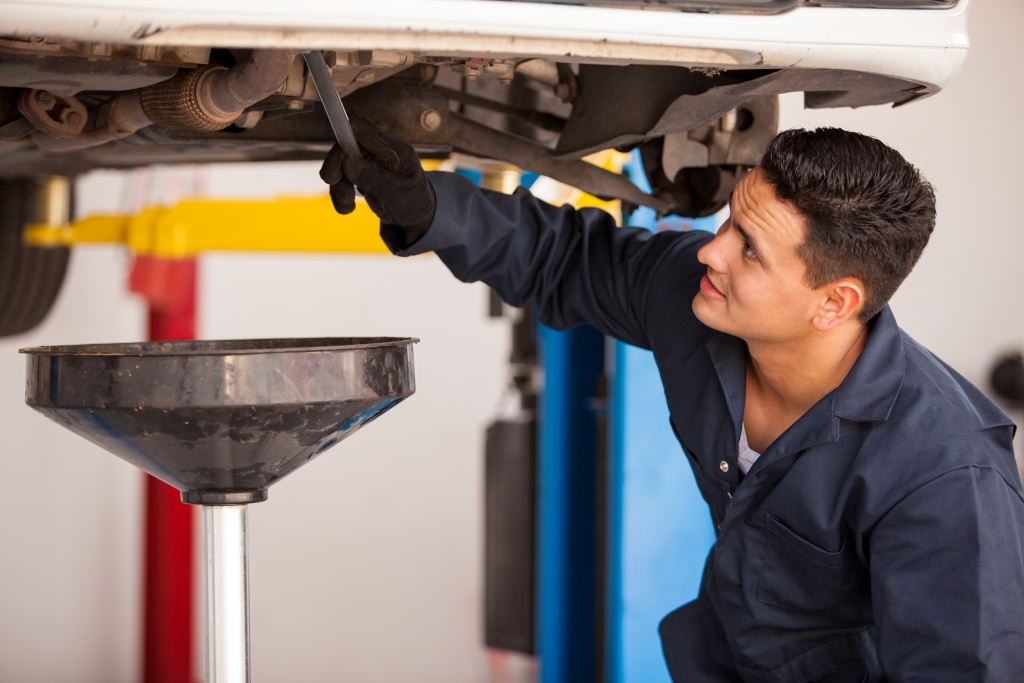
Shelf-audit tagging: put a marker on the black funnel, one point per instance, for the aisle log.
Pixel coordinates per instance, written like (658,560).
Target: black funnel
(220,420)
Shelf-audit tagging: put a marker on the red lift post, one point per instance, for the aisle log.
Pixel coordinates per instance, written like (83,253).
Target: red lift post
(169,287)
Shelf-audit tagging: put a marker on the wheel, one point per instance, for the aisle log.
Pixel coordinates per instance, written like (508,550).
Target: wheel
(700,168)
(30,277)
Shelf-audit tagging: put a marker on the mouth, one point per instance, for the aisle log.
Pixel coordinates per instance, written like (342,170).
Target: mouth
(709,290)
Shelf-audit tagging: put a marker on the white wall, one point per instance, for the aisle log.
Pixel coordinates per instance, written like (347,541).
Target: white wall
(367,565)
(70,535)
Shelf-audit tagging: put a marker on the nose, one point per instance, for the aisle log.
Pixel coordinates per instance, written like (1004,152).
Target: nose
(712,254)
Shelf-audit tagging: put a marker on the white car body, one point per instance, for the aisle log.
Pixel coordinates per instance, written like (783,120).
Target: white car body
(695,90)
(924,46)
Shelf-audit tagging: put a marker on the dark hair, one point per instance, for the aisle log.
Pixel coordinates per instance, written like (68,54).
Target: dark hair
(868,211)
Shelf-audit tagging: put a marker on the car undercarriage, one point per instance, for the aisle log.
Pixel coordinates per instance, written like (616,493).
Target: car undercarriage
(693,85)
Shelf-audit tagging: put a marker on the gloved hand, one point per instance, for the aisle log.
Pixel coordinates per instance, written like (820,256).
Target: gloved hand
(391,179)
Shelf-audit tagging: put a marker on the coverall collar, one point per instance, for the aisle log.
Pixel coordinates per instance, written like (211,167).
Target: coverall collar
(869,391)
(867,394)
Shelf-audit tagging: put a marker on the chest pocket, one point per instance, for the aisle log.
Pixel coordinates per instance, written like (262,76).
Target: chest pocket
(799,575)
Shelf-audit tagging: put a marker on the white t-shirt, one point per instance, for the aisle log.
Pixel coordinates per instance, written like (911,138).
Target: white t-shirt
(747,454)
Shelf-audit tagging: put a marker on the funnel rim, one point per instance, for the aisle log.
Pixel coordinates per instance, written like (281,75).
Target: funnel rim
(215,347)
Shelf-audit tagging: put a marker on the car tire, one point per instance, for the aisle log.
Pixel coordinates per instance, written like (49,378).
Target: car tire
(30,277)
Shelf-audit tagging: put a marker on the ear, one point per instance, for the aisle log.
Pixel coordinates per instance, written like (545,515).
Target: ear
(843,300)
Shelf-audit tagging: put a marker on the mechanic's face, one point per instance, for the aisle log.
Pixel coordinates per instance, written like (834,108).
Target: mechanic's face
(754,288)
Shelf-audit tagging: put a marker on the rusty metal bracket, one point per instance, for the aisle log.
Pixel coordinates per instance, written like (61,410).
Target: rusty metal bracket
(61,117)
(479,140)
(422,116)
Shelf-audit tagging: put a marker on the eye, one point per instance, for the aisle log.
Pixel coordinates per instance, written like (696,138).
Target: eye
(748,251)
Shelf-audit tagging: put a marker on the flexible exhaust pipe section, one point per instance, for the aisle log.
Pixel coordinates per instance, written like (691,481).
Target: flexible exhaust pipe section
(206,99)
(212,97)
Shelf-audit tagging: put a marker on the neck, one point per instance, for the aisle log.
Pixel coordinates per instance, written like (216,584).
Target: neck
(797,374)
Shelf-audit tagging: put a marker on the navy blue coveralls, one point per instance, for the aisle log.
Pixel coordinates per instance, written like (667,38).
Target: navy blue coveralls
(880,538)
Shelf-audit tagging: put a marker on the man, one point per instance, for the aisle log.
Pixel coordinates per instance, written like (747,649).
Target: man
(870,517)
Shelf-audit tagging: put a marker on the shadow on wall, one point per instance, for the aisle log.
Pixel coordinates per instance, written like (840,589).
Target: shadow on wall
(1006,381)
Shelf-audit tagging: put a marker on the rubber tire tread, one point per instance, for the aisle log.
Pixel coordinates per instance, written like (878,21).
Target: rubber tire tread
(30,277)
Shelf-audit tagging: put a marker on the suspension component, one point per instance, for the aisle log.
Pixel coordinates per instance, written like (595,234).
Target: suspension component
(61,117)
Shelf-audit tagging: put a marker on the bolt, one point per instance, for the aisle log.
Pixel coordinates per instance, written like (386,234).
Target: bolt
(430,120)
(727,123)
(44,98)
(74,119)
(427,72)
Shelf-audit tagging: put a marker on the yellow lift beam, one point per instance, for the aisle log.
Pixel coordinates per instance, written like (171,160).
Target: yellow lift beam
(191,227)
(285,224)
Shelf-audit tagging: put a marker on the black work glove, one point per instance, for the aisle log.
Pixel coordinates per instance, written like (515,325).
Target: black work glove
(391,179)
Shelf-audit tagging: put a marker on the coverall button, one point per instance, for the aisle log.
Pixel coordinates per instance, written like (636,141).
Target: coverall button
(724,466)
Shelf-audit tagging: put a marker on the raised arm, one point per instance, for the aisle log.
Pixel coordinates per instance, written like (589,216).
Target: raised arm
(575,266)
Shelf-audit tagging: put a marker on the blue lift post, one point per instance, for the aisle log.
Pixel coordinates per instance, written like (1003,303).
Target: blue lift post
(659,528)
(568,591)
(656,528)
(568,523)
(568,587)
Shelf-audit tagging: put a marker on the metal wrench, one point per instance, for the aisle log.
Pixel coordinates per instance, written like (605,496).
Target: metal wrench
(321,74)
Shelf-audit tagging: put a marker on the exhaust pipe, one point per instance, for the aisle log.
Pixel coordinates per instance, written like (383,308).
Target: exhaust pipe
(211,98)
(206,99)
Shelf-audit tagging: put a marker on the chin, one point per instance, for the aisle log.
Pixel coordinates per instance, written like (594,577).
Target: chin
(704,316)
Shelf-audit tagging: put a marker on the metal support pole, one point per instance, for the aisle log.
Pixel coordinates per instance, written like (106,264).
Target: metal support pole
(227,593)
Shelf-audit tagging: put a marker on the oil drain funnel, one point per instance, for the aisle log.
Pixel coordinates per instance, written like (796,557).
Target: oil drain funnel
(221,421)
